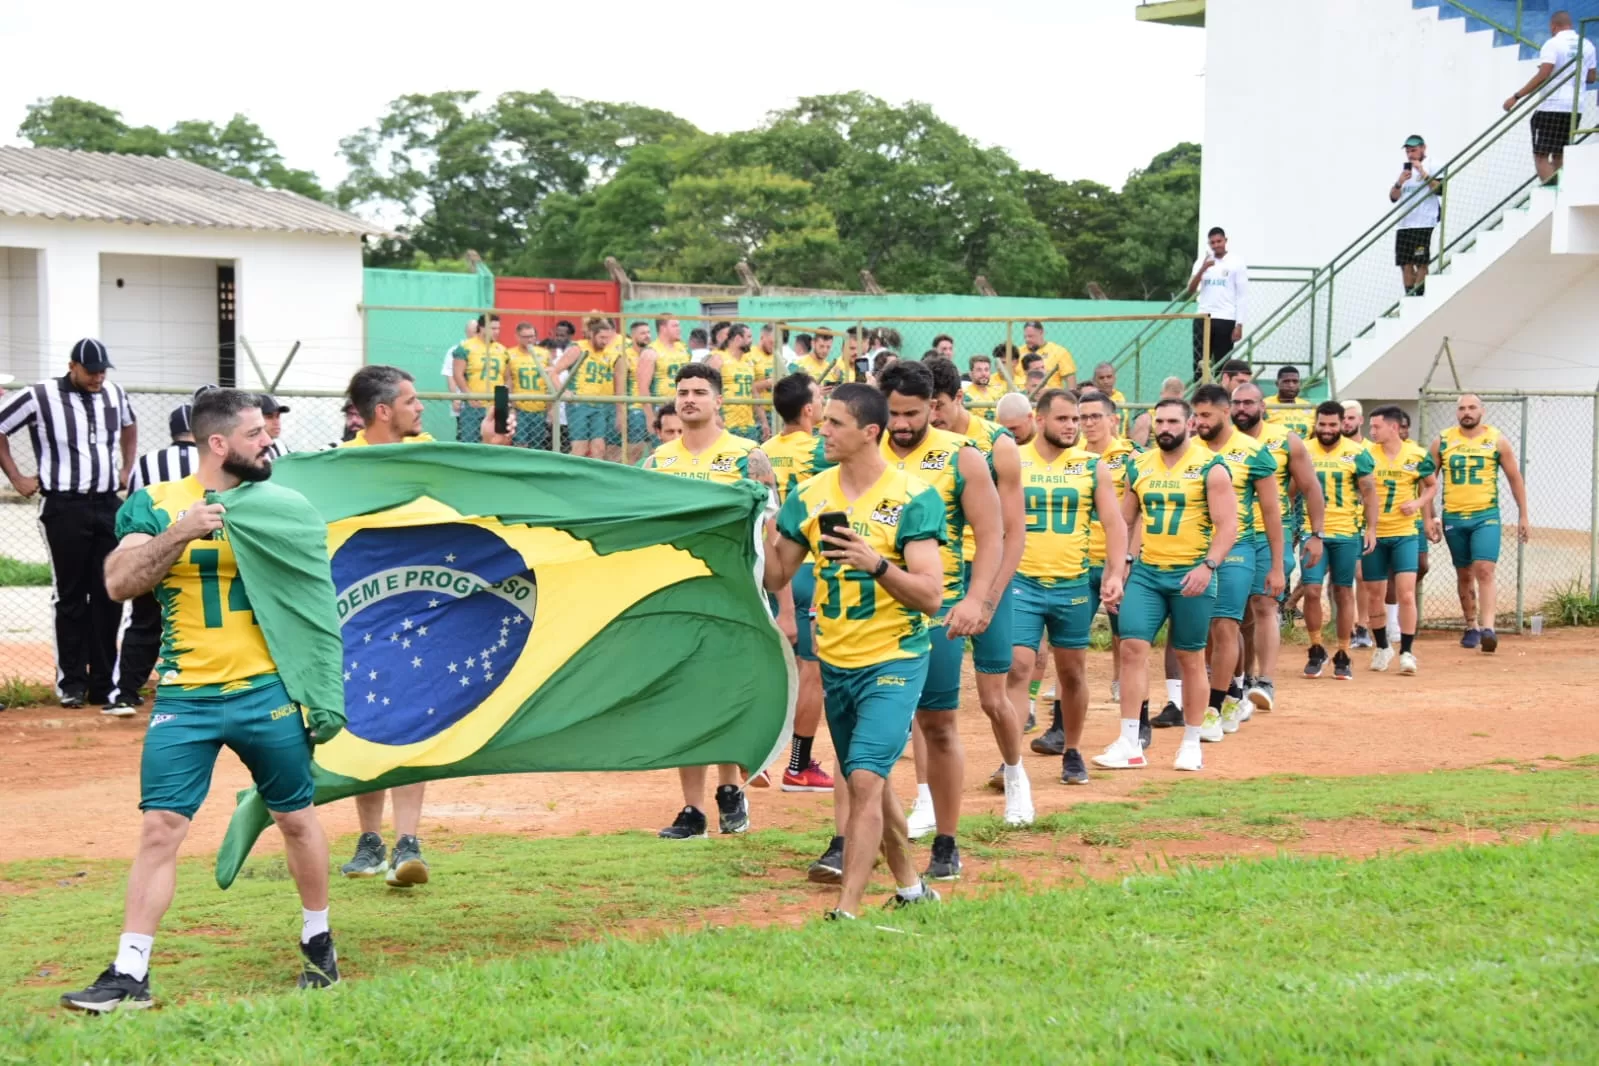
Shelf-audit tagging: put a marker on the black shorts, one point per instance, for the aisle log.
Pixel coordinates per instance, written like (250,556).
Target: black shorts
(1413,247)
(1551,131)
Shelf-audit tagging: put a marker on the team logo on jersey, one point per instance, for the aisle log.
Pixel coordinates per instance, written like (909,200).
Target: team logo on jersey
(1026,463)
(1116,463)
(1075,470)
(722,464)
(668,461)
(937,460)
(1193,475)
(1348,459)
(887,512)
(1236,457)
(1410,468)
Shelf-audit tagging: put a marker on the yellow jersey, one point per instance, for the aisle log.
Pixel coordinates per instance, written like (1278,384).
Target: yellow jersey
(1273,441)
(985,396)
(936,461)
(1398,481)
(982,434)
(1058,363)
(857,623)
(595,374)
(1339,469)
(668,361)
(1248,462)
(1175,506)
(209,636)
(1059,499)
(485,364)
(360,441)
(1470,467)
(817,368)
(795,457)
(738,383)
(1124,417)
(725,462)
(1115,456)
(530,372)
(1299,417)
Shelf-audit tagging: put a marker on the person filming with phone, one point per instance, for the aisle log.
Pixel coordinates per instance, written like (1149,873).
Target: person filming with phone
(1220,281)
(1413,239)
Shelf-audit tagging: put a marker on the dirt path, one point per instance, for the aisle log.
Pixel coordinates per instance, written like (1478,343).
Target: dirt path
(69,779)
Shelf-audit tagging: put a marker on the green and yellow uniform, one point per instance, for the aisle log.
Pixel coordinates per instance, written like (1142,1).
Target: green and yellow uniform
(483,367)
(1339,469)
(1124,417)
(936,461)
(1399,481)
(1175,512)
(817,368)
(1115,456)
(738,383)
(1248,461)
(984,396)
(873,649)
(991,649)
(1051,583)
(595,375)
(529,371)
(1274,440)
(797,457)
(217,682)
(668,361)
(1058,363)
(1469,467)
(360,441)
(1298,417)
(725,462)
(638,426)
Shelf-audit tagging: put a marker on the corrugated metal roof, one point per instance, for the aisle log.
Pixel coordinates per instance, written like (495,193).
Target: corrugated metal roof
(58,183)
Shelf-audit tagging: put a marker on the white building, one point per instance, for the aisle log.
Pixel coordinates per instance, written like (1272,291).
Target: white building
(173,266)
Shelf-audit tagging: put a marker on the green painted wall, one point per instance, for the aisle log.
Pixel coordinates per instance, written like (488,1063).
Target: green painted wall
(416,341)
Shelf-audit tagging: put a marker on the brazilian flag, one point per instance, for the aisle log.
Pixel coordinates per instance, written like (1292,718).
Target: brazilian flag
(512,611)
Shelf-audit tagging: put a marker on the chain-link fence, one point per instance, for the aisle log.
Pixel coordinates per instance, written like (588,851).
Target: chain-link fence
(1552,436)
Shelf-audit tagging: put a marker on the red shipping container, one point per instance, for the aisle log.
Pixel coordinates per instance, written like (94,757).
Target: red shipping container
(574,298)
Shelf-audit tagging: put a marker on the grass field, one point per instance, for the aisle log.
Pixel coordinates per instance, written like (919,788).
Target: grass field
(532,950)
(15,572)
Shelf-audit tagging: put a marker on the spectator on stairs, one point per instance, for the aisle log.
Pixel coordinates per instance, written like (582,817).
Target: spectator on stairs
(1220,281)
(1551,120)
(1413,240)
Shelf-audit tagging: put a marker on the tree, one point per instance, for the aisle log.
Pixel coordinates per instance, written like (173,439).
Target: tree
(1161,224)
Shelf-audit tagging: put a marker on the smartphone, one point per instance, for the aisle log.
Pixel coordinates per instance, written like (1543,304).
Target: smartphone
(502,408)
(863,366)
(830,522)
(1408,166)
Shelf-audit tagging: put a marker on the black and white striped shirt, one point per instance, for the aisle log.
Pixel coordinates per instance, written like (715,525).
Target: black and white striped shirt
(76,435)
(172,463)
(278,450)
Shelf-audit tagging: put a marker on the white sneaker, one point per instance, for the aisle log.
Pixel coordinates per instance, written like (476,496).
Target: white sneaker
(1211,731)
(1124,754)
(1231,715)
(1407,664)
(1381,658)
(1018,800)
(1189,757)
(1262,695)
(1116,692)
(921,819)
(1393,634)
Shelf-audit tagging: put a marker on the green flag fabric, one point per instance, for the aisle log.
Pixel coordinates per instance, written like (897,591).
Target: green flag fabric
(513,611)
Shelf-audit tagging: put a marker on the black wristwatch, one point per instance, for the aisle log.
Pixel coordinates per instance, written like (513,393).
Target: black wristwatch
(1318,536)
(1206,562)
(882,566)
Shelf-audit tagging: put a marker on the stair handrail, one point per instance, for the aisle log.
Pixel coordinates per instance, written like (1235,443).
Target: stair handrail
(1492,23)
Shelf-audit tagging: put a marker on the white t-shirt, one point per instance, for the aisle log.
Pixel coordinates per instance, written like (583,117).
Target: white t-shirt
(1222,289)
(1423,214)
(1559,50)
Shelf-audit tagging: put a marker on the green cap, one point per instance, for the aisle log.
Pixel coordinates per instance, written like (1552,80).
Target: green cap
(1414,141)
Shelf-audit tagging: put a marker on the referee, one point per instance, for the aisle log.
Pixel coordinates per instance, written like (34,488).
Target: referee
(84,440)
(141,635)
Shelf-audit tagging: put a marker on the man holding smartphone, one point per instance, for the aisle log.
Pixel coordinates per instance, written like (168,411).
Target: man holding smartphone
(1413,239)
(875,532)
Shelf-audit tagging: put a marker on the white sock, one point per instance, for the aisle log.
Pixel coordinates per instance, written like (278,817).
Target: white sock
(312,923)
(1015,773)
(1190,734)
(1174,691)
(1130,731)
(924,795)
(912,892)
(1238,681)
(133,955)
(1393,617)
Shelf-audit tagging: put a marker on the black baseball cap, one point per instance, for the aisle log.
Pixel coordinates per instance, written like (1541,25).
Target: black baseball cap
(92,356)
(1415,140)
(178,422)
(270,406)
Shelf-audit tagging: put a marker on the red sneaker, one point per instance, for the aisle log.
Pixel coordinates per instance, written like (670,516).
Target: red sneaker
(811,779)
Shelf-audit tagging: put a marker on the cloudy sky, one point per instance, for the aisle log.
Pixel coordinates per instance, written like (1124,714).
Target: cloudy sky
(1076,88)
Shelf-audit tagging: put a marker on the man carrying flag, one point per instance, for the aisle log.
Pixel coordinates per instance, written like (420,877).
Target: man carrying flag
(220,684)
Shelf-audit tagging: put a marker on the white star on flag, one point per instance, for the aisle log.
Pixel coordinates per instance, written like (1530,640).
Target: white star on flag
(450,558)
(346,675)
(367,639)
(371,675)
(452,668)
(371,697)
(406,624)
(416,661)
(488,676)
(406,643)
(471,660)
(433,603)
(423,630)
(385,701)
(465,681)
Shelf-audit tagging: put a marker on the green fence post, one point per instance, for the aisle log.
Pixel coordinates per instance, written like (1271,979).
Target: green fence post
(1327,356)
(1521,545)
(1310,356)
(1138,368)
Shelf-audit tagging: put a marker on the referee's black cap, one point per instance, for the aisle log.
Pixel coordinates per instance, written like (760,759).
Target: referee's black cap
(92,356)
(178,422)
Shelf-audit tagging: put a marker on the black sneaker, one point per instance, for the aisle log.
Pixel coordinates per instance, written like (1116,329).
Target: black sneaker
(829,869)
(123,708)
(320,967)
(946,862)
(406,866)
(1146,728)
(111,990)
(1490,641)
(1342,671)
(838,916)
(1316,661)
(690,825)
(371,857)
(1073,771)
(1053,740)
(1170,716)
(898,900)
(732,809)
(73,700)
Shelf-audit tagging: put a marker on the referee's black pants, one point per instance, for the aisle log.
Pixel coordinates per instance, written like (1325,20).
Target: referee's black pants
(80,529)
(1221,344)
(140,648)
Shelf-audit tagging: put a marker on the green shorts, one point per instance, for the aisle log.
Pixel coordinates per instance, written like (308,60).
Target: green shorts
(638,427)
(469,424)
(591,421)
(1234,580)
(1472,538)
(1392,555)
(804,589)
(1064,611)
(991,647)
(870,710)
(262,726)
(532,430)
(1342,556)
(1153,596)
(1096,577)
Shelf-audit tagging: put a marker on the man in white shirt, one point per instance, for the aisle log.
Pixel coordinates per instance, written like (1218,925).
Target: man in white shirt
(1413,240)
(1551,121)
(1221,284)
